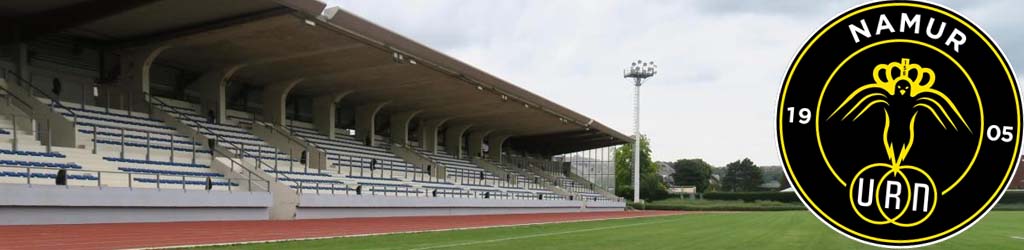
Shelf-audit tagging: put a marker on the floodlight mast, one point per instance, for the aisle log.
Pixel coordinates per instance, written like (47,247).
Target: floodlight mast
(639,71)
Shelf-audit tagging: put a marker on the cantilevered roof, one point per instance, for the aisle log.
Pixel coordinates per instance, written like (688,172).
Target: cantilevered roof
(329,51)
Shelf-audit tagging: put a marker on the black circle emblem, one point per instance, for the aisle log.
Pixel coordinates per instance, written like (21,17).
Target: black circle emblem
(899,123)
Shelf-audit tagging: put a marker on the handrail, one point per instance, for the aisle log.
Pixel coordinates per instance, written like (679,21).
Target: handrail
(131,177)
(217,137)
(283,130)
(54,102)
(11,96)
(293,137)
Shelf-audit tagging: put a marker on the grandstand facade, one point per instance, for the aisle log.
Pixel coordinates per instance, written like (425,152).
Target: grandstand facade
(184,110)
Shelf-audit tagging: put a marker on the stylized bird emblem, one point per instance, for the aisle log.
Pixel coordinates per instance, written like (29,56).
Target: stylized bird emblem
(902,89)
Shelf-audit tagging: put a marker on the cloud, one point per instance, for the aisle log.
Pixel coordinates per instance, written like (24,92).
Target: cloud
(721,62)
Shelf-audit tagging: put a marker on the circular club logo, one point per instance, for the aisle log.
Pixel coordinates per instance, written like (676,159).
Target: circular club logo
(899,123)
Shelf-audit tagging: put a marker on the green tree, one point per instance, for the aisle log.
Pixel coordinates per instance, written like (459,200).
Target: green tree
(692,172)
(741,176)
(651,185)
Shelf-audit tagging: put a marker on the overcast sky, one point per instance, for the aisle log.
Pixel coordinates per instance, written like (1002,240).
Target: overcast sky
(721,62)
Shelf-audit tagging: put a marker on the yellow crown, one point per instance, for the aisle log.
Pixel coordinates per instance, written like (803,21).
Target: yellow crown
(904,70)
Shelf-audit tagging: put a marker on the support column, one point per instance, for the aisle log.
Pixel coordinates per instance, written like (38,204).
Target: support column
(428,134)
(476,143)
(400,126)
(133,84)
(325,112)
(365,123)
(274,96)
(212,94)
(494,141)
(453,139)
(21,67)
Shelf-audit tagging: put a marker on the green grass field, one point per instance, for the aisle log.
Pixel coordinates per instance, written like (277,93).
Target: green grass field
(746,230)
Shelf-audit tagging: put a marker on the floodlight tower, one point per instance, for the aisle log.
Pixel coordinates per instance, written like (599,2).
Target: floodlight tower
(639,71)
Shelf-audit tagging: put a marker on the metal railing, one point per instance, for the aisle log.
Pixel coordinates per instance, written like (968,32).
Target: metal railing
(32,90)
(122,138)
(13,129)
(130,180)
(198,125)
(321,188)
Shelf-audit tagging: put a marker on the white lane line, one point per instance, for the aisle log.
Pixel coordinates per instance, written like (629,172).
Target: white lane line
(542,235)
(402,232)
(1017,237)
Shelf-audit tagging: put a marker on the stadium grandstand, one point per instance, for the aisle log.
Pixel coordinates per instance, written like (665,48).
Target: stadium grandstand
(193,110)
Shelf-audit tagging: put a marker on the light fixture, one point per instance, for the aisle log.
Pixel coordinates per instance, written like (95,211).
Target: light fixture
(398,58)
(478,87)
(310,23)
(638,72)
(504,97)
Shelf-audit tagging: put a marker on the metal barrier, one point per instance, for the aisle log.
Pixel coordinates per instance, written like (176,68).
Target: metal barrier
(95,178)
(318,187)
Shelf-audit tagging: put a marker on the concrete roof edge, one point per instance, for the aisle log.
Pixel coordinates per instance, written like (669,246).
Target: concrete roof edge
(312,8)
(385,39)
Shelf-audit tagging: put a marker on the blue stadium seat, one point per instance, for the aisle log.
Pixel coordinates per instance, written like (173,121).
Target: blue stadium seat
(169,172)
(39,164)
(32,153)
(143,145)
(89,131)
(186,182)
(151,162)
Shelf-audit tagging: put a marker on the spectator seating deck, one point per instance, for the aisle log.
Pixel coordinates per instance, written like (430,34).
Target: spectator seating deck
(130,149)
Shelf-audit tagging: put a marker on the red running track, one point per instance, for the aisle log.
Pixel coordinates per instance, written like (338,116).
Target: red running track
(164,234)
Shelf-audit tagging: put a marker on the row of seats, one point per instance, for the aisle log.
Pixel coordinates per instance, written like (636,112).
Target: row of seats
(32,153)
(169,172)
(116,121)
(108,113)
(22,163)
(47,175)
(143,145)
(186,182)
(138,137)
(152,162)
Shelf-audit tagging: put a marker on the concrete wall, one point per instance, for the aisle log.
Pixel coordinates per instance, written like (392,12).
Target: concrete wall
(348,206)
(23,204)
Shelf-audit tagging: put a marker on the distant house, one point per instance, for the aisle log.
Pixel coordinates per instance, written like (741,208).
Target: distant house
(770,185)
(665,170)
(714,182)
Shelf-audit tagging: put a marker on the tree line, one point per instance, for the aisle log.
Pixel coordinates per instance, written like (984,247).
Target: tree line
(738,176)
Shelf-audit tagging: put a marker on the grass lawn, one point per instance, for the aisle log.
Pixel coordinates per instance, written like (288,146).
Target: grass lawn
(746,230)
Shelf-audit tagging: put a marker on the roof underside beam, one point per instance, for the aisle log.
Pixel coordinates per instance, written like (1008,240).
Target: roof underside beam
(34,25)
